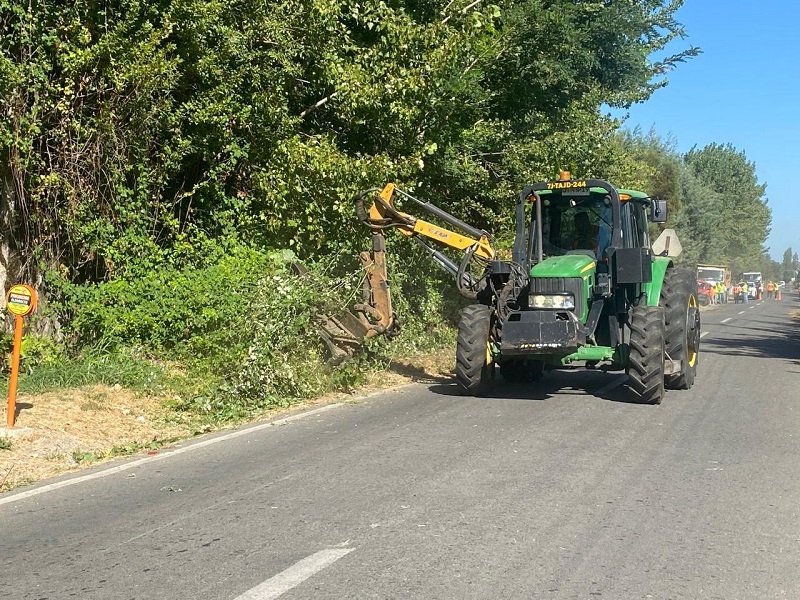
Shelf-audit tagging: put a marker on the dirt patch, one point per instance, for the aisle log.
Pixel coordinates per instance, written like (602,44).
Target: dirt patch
(77,428)
(71,429)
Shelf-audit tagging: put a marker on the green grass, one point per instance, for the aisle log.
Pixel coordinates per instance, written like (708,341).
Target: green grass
(124,369)
(198,389)
(91,456)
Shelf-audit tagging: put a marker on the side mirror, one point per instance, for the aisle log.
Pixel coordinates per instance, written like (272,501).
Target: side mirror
(658,211)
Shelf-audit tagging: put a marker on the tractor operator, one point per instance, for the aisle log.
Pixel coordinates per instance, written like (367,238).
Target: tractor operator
(585,233)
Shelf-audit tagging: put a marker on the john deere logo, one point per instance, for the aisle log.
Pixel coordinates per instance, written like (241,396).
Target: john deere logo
(21,300)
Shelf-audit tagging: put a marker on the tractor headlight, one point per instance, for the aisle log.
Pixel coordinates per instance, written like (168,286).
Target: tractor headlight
(562,301)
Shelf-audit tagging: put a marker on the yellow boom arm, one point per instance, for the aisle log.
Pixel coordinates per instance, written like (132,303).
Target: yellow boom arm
(475,244)
(380,212)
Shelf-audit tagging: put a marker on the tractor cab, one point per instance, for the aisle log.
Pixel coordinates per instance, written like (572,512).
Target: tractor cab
(586,217)
(576,225)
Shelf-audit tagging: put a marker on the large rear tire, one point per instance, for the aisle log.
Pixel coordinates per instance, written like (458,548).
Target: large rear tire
(474,362)
(646,353)
(682,326)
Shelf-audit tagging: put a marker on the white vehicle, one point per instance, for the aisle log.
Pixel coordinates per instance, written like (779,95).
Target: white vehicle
(754,281)
(715,274)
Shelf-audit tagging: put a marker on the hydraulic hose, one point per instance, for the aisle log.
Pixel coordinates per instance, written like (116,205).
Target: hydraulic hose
(395,219)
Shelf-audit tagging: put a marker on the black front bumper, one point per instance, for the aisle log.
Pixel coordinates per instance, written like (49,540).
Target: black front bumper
(539,332)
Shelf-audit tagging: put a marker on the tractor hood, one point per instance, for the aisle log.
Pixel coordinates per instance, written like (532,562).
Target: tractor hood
(570,265)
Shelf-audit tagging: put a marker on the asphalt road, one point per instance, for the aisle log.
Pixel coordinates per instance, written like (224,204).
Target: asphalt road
(563,490)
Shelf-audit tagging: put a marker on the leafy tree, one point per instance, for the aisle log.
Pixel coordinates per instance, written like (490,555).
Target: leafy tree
(744,217)
(660,167)
(788,267)
(139,131)
(146,141)
(699,221)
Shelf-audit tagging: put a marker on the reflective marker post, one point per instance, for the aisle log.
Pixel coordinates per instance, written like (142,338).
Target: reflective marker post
(20,301)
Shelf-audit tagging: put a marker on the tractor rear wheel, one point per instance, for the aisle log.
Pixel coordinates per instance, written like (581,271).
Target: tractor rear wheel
(474,362)
(646,353)
(682,319)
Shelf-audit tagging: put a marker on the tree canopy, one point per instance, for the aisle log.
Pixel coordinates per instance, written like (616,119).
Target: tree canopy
(138,133)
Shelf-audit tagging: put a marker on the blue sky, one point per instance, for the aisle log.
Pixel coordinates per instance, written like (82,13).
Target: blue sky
(744,89)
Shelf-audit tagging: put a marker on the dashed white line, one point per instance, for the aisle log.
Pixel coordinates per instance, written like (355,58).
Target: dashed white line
(294,575)
(705,333)
(741,312)
(726,320)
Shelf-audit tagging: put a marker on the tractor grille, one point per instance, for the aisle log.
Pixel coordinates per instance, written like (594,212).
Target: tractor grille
(552,285)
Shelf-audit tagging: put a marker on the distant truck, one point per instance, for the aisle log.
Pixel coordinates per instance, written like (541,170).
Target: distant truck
(754,282)
(714,274)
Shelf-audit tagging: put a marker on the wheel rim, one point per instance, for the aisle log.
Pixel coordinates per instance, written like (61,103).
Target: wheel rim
(692,331)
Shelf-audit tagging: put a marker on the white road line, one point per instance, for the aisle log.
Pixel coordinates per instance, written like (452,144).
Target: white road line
(166,454)
(294,575)
(726,320)
(704,334)
(741,312)
(614,384)
(752,306)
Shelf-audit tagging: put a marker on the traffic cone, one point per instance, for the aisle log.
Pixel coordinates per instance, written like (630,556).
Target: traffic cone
(778,294)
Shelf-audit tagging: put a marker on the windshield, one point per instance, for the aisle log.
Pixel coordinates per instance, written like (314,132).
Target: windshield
(576,225)
(751,277)
(706,274)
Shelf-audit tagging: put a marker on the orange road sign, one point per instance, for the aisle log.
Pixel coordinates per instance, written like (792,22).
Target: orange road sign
(20,302)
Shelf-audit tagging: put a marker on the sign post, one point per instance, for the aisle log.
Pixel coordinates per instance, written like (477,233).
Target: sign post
(20,301)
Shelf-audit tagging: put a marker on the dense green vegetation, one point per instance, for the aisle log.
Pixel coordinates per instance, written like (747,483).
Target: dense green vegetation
(718,206)
(164,161)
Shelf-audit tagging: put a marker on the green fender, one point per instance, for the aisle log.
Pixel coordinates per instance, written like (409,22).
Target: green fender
(653,289)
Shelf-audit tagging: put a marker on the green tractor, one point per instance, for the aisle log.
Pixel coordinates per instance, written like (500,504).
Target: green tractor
(584,283)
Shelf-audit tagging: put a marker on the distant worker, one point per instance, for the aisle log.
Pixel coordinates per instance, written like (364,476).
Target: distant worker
(719,290)
(585,233)
(745,291)
(770,290)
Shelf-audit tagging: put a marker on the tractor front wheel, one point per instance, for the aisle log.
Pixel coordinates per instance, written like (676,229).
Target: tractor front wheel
(682,319)
(646,353)
(474,361)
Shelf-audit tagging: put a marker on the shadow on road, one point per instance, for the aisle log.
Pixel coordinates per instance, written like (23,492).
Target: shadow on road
(757,342)
(748,341)
(575,381)
(417,374)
